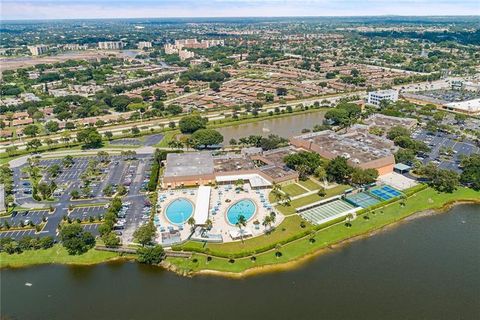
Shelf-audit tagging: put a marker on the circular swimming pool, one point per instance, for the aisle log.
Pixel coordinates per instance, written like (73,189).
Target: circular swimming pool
(245,207)
(179,211)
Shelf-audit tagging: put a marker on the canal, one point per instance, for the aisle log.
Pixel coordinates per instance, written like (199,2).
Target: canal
(427,268)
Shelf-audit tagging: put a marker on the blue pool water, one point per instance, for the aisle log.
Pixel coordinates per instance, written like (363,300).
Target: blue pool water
(179,211)
(244,207)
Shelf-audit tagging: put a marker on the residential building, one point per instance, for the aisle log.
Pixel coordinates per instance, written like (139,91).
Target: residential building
(110,45)
(144,44)
(375,97)
(38,49)
(185,54)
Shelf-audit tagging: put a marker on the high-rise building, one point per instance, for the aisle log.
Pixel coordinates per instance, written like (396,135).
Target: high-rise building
(38,50)
(144,44)
(110,45)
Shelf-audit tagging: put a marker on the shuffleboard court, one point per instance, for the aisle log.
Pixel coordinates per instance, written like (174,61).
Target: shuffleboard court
(328,211)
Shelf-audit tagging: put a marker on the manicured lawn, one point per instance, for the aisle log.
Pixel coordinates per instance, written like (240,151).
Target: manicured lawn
(287,210)
(310,184)
(293,189)
(56,254)
(288,228)
(167,137)
(423,200)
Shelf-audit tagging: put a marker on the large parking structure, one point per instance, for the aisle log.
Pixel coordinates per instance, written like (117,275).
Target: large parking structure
(328,211)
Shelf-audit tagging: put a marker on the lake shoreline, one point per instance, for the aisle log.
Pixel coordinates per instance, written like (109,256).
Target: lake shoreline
(269,268)
(294,264)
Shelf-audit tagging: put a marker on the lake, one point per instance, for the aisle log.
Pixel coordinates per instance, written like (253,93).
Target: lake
(284,127)
(428,268)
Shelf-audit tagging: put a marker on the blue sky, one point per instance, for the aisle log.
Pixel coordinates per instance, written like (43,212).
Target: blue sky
(71,9)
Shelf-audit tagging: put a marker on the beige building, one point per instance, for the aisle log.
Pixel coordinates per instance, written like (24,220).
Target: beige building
(110,45)
(361,149)
(144,44)
(201,168)
(38,50)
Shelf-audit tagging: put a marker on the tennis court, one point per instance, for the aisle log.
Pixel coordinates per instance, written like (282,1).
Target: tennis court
(328,211)
(362,199)
(385,192)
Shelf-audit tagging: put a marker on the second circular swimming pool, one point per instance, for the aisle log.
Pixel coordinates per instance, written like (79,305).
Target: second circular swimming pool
(245,207)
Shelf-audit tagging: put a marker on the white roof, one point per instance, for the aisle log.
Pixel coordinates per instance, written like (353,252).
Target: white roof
(201,206)
(237,234)
(254,179)
(470,105)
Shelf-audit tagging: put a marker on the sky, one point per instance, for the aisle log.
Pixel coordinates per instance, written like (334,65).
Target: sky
(77,9)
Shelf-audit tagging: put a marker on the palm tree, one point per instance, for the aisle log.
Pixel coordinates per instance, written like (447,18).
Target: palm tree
(286,199)
(209,224)
(241,222)
(191,223)
(278,254)
(348,220)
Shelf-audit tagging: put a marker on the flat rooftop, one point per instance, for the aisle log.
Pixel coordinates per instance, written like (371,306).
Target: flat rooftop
(230,163)
(357,146)
(189,164)
(444,96)
(387,122)
(276,156)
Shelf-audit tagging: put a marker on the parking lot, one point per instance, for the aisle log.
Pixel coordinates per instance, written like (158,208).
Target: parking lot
(92,228)
(85,213)
(441,141)
(18,234)
(132,173)
(35,216)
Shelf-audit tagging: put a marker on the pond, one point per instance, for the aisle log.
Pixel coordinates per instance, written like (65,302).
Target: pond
(284,127)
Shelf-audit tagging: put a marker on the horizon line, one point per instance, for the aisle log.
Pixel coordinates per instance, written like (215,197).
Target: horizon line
(236,17)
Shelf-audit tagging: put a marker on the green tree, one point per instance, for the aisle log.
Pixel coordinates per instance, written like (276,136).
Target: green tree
(338,170)
(90,138)
(471,171)
(145,234)
(150,255)
(192,123)
(111,240)
(52,126)
(31,130)
(75,239)
(241,223)
(159,94)
(206,137)
(120,103)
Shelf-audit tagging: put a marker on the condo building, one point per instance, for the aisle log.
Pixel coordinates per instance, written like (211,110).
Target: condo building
(375,97)
(110,45)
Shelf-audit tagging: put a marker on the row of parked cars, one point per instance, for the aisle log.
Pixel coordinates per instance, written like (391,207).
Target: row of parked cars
(120,225)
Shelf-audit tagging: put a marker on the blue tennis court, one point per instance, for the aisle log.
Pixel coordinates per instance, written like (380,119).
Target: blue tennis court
(362,199)
(385,192)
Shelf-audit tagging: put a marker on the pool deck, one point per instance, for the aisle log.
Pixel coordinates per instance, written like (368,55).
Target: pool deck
(221,198)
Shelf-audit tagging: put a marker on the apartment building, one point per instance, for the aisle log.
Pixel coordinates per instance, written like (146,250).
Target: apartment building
(144,44)
(110,45)
(375,97)
(38,50)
